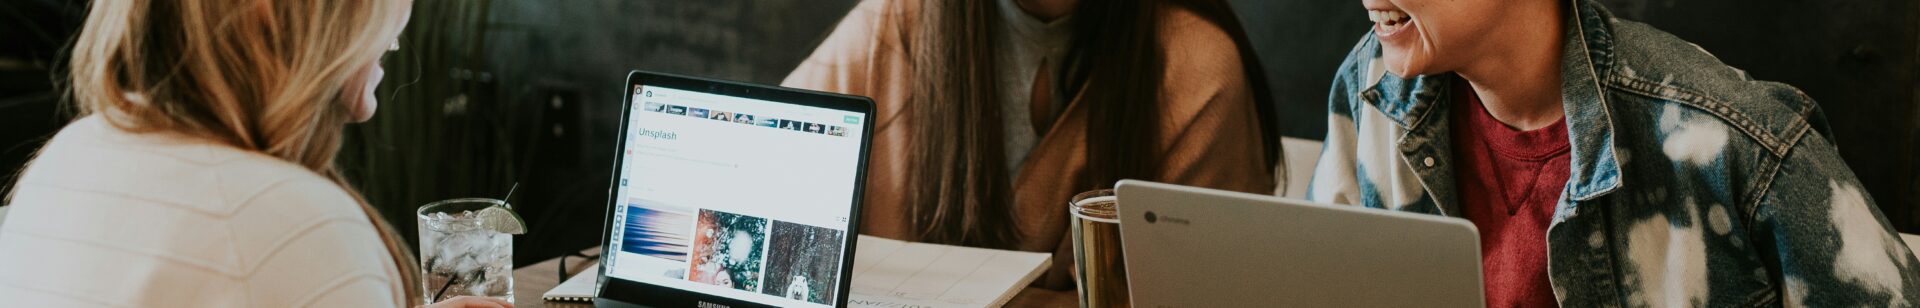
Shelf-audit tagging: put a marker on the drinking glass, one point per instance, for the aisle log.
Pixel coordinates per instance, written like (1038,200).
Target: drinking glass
(1099,269)
(460,254)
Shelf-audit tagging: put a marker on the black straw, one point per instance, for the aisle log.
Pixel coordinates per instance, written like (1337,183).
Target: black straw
(443,288)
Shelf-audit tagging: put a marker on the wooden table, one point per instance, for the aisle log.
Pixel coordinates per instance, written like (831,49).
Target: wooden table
(533,280)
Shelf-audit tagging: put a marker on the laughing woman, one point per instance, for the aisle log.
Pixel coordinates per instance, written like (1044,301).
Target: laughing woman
(992,113)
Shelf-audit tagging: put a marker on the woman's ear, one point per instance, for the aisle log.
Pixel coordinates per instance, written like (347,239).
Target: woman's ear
(360,99)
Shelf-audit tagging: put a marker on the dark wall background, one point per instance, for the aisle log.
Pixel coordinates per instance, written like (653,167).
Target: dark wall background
(563,66)
(587,47)
(31,35)
(528,91)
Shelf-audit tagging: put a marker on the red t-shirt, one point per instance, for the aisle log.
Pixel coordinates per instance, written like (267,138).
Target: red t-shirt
(1509,182)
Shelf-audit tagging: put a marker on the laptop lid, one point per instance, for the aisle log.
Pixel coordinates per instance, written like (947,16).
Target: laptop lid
(1195,247)
(728,194)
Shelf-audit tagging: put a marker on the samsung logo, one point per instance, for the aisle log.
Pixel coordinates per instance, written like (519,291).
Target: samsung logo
(883,304)
(712,305)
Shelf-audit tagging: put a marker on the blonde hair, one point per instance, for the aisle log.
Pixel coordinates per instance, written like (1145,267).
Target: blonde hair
(272,76)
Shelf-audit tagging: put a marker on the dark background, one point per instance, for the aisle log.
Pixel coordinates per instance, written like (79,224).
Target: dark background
(499,92)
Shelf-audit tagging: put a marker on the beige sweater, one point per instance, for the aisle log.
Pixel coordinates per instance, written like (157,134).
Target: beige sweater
(1211,132)
(107,218)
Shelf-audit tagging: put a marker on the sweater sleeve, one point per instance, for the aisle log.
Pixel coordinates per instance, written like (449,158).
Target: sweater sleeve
(1213,136)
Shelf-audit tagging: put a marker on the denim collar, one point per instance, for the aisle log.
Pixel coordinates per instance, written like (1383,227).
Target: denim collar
(1587,53)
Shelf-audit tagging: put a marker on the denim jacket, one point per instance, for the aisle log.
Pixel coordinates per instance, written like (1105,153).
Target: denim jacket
(1691,183)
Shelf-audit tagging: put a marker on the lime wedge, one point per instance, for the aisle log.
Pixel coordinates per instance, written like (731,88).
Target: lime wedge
(503,220)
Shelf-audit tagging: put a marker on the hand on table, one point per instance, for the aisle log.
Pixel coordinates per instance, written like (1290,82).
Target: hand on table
(471,302)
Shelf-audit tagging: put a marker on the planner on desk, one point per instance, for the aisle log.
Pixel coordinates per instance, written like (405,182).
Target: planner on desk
(892,273)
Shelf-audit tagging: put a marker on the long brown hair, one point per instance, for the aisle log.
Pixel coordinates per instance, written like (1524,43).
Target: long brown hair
(961,193)
(270,76)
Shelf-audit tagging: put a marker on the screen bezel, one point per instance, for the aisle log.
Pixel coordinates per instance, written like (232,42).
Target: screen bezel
(658,295)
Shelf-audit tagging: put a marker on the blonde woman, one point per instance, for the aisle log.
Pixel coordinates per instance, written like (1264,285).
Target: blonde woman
(201,174)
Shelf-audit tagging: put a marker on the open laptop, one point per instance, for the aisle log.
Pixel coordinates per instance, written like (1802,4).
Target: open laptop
(1196,247)
(729,194)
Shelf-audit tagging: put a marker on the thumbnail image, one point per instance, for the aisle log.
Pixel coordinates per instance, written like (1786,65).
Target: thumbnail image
(816,128)
(804,262)
(677,110)
(837,131)
(696,112)
(770,122)
(660,232)
(722,115)
(654,107)
(743,118)
(790,124)
(726,250)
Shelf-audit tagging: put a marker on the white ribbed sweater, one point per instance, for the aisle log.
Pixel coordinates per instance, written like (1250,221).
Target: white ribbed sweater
(108,218)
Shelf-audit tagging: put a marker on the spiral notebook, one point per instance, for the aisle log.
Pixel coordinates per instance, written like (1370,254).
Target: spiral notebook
(579,288)
(891,273)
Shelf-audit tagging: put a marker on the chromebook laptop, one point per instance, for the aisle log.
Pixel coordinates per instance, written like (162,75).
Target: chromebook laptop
(1196,247)
(728,194)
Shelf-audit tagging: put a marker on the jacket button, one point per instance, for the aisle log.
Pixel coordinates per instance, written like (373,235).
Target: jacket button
(1428,161)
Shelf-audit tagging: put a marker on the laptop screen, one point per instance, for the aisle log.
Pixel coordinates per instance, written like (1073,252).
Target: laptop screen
(735,197)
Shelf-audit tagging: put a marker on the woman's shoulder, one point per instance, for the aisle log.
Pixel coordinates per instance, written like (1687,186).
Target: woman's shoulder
(1656,73)
(92,156)
(178,209)
(1204,69)
(1198,46)
(873,26)
(865,54)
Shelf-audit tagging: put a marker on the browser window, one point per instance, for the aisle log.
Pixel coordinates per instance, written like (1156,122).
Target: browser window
(735,197)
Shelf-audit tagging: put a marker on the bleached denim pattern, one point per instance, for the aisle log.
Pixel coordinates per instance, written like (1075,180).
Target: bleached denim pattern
(1692,184)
